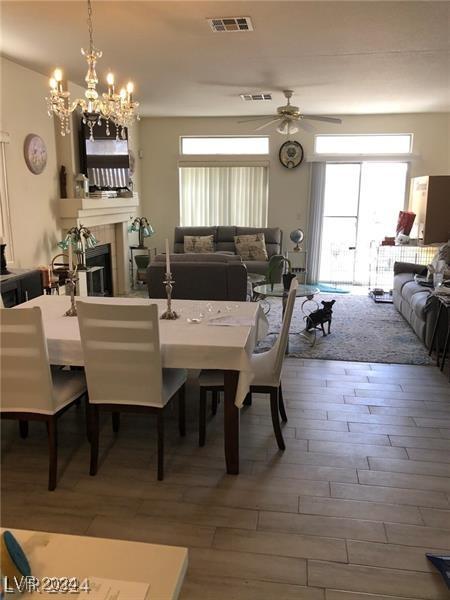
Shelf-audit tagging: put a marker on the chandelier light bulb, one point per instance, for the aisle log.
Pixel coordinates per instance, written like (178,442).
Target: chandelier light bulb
(110,79)
(53,83)
(130,87)
(58,75)
(123,93)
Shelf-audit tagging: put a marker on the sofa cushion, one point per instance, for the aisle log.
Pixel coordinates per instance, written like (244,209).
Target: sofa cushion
(226,246)
(257,266)
(251,247)
(400,280)
(410,289)
(180,232)
(226,233)
(272,236)
(198,244)
(418,304)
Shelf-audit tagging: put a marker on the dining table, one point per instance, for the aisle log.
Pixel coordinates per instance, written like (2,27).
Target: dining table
(206,335)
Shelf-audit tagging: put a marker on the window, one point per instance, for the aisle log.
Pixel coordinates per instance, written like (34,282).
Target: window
(5,218)
(363,144)
(225,145)
(223,195)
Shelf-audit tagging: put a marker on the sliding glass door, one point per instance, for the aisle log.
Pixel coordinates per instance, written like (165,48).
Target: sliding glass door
(361,205)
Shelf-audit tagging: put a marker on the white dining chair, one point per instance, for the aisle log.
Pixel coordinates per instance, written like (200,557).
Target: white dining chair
(30,390)
(266,368)
(122,360)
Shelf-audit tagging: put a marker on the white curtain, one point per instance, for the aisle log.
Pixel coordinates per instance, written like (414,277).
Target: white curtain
(223,195)
(316,205)
(5,215)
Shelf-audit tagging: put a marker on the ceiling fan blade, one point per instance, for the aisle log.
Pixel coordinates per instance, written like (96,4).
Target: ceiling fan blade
(250,119)
(321,118)
(267,124)
(305,125)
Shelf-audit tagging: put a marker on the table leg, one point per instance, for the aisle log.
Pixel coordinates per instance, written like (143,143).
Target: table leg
(447,340)
(433,337)
(231,422)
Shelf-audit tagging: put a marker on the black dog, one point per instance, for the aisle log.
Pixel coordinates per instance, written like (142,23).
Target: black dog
(320,317)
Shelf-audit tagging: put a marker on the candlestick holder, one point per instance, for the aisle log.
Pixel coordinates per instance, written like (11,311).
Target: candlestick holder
(72,283)
(169,314)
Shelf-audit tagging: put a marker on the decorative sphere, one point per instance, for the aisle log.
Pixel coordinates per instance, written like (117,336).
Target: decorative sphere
(297,236)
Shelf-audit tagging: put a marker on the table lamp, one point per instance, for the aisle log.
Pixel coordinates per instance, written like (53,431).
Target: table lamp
(78,239)
(144,228)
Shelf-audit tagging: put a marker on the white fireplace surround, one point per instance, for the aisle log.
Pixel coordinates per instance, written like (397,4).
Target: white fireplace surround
(94,212)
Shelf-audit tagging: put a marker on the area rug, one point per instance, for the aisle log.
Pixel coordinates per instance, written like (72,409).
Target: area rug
(360,331)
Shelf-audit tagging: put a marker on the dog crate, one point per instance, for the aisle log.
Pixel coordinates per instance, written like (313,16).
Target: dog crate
(381,271)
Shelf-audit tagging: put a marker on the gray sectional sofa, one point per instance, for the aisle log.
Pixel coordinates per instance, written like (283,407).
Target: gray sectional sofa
(224,241)
(413,301)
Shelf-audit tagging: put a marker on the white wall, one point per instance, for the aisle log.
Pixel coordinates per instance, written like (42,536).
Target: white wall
(288,190)
(32,197)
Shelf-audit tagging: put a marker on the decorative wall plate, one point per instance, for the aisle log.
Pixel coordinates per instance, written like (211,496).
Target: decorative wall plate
(291,154)
(35,153)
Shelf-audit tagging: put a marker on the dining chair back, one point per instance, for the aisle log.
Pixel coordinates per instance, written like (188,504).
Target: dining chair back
(280,345)
(26,382)
(266,368)
(122,359)
(29,390)
(122,354)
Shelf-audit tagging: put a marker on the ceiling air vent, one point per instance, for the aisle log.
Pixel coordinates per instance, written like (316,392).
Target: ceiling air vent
(254,97)
(231,24)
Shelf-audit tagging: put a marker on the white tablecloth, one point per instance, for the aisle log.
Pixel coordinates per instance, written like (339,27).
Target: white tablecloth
(183,345)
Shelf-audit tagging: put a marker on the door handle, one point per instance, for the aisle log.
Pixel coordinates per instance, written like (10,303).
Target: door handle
(352,247)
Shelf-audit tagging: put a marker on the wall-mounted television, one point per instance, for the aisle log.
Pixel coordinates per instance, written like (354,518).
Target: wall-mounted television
(105,160)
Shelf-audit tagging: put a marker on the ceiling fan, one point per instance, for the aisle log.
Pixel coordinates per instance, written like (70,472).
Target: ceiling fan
(288,116)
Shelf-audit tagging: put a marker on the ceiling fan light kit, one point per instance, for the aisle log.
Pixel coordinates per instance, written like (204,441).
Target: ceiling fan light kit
(287,127)
(289,116)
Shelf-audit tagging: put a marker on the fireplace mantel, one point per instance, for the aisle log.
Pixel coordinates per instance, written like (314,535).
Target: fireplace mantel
(95,212)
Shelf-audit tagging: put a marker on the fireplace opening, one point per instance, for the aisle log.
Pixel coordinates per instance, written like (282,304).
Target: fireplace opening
(100,284)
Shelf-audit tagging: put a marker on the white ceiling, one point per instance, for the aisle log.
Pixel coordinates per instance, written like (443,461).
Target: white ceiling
(338,57)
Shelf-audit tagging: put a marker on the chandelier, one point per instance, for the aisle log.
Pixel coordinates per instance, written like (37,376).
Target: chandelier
(119,109)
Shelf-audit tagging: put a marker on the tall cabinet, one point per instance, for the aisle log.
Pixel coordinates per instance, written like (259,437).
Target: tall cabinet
(430,199)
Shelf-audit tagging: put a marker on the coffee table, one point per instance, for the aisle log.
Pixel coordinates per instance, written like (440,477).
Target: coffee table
(277,290)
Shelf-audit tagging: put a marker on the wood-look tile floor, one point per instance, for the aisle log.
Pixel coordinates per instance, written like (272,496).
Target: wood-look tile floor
(347,512)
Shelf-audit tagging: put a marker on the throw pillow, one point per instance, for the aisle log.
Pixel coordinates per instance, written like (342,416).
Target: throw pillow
(199,243)
(441,262)
(251,247)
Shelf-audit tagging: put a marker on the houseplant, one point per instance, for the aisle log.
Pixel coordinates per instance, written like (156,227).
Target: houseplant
(280,265)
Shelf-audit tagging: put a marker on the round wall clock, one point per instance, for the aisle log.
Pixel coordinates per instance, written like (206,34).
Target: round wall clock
(35,153)
(291,155)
